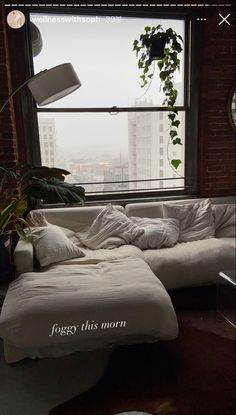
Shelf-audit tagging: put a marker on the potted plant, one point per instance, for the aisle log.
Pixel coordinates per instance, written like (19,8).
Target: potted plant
(163,46)
(36,184)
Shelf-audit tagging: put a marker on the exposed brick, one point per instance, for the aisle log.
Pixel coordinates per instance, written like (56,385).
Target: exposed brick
(217,143)
(8,137)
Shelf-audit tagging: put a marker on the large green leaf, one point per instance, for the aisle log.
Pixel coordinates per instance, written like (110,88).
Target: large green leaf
(54,191)
(20,231)
(44,172)
(12,213)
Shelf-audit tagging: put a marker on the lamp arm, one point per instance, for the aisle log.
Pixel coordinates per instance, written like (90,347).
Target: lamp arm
(12,94)
(18,89)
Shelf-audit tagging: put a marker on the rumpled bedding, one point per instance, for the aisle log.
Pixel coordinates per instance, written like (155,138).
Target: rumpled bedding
(116,286)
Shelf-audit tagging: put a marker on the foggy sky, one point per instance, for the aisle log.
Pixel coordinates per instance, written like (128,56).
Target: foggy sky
(101,53)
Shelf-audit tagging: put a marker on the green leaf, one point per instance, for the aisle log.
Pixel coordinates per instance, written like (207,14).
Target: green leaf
(177,141)
(176,123)
(176,163)
(160,64)
(14,210)
(171,117)
(147,29)
(44,172)
(55,191)
(163,75)
(20,232)
(173,133)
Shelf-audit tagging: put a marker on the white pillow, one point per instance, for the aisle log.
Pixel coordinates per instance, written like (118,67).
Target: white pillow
(37,219)
(52,245)
(157,232)
(196,220)
(225,220)
(111,228)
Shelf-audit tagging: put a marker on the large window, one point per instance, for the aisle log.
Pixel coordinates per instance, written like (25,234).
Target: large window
(107,149)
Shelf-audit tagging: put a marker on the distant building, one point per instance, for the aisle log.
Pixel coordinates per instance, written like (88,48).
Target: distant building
(149,151)
(116,174)
(47,137)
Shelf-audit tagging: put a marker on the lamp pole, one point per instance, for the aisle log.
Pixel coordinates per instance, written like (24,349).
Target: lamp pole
(18,89)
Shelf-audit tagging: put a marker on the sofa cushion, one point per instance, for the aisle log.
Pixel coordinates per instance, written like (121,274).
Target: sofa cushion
(111,228)
(144,210)
(37,219)
(225,220)
(229,240)
(52,245)
(196,220)
(74,218)
(157,232)
(191,263)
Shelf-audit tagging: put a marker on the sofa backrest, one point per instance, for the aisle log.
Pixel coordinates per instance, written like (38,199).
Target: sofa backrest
(154,209)
(80,218)
(74,218)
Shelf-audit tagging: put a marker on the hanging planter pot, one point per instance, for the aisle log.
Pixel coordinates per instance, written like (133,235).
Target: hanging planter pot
(157,49)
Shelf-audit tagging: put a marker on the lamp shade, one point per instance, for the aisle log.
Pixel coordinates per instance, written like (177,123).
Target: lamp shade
(55,83)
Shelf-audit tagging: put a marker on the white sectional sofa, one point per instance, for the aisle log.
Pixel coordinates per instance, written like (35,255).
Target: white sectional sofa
(192,263)
(124,284)
(185,264)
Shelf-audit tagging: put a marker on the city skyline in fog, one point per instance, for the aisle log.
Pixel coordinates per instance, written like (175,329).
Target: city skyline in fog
(101,53)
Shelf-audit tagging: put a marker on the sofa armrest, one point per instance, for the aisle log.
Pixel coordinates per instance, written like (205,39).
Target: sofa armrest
(24,257)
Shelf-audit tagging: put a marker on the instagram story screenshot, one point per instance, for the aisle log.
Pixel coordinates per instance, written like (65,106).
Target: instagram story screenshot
(118,208)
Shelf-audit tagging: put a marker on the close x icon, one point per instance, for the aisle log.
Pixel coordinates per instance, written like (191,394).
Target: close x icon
(224,19)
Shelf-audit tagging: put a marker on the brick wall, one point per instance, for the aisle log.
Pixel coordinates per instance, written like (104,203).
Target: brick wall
(8,136)
(216,144)
(217,141)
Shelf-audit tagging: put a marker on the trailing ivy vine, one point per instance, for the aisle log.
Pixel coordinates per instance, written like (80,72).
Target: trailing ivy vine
(168,63)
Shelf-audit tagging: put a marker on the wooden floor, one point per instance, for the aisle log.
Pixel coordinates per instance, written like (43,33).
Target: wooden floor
(192,375)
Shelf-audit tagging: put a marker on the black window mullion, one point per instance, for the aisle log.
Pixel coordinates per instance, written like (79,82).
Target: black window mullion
(184,108)
(110,109)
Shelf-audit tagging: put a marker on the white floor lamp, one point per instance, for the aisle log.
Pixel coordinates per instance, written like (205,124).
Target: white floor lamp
(50,85)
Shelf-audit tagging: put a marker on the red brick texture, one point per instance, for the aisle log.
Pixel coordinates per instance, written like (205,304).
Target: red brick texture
(216,141)
(8,136)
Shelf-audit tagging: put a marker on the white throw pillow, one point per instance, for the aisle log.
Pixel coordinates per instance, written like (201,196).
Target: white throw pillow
(37,219)
(157,232)
(52,245)
(196,220)
(111,228)
(225,220)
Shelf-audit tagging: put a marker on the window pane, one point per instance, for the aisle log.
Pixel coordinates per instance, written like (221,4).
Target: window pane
(100,49)
(99,147)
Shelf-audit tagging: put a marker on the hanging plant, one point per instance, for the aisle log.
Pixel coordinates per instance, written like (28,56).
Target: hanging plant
(161,46)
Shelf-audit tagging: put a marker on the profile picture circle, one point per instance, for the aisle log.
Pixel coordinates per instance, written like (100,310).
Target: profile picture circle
(16,19)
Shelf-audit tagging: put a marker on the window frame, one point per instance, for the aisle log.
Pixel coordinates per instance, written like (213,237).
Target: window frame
(191,79)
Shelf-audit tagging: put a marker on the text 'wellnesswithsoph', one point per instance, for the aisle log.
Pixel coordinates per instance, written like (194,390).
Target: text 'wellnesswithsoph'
(70,330)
